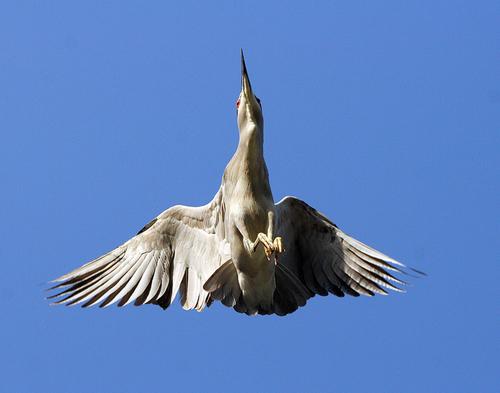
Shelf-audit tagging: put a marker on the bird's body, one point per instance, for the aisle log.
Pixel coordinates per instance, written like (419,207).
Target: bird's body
(241,248)
(250,207)
(250,211)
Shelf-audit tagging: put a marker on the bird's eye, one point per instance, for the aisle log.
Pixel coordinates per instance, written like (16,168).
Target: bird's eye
(258,101)
(238,104)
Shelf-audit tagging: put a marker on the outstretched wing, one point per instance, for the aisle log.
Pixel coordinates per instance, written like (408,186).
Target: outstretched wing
(327,260)
(176,252)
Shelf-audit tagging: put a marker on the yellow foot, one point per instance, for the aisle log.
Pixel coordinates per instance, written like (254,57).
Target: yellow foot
(269,246)
(278,247)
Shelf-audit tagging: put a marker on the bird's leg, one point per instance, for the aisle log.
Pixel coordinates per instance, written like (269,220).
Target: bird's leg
(278,247)
(269,245)
(278,244)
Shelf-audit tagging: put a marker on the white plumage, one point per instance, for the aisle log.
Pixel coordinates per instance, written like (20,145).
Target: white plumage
(241,248)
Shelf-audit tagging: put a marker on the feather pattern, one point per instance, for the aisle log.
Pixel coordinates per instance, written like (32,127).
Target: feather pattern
(328,260)
(177,252)
(185,251)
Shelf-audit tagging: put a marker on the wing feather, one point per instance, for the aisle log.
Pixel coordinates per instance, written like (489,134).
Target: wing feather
(144,280)
(127,281)
(80,289)
(103,285)
(161,279)
(176,252)
(326,259)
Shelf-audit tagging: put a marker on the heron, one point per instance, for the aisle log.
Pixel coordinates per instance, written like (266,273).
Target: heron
(242,248)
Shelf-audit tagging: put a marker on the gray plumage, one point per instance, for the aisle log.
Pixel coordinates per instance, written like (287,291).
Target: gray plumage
(241,249)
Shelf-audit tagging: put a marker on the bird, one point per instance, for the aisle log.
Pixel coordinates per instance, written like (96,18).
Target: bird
(242,248)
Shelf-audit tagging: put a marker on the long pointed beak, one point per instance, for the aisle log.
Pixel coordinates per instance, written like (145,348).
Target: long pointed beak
(246,88)
(249,108)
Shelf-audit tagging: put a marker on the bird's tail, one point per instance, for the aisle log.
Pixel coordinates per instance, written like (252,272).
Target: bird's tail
(289,295)
(223,284)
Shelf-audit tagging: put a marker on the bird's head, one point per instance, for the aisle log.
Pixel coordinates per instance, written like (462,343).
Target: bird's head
(248,105)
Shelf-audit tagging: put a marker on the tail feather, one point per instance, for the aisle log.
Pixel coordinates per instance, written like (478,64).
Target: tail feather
(223,285)
(290,293)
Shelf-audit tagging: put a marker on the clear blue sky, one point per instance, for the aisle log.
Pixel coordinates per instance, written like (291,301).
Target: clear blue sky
(385,117)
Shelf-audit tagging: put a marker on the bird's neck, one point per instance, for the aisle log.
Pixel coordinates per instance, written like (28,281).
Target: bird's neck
(247,165)
(251,147)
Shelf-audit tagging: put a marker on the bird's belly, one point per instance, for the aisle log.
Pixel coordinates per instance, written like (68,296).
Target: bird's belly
(256,279)
(255,270)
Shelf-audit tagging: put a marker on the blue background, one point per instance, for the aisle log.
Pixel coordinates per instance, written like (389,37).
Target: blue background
(385,117)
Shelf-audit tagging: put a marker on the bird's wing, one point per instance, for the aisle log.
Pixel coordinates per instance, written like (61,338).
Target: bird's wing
(325,259)
(176,252)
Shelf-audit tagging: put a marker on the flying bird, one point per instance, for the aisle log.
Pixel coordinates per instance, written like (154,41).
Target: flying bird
(241,249)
